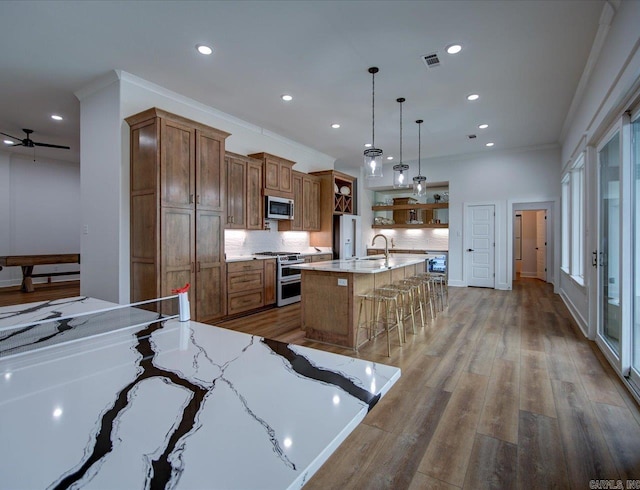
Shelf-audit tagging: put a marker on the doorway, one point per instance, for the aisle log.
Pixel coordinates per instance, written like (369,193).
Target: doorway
(541,232)
(530,244)
(480,248)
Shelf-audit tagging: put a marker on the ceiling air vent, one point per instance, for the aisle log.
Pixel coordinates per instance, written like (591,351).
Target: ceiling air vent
(471,136)
(431,60)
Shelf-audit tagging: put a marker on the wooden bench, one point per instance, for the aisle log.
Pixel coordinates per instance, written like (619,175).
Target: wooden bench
(28,262)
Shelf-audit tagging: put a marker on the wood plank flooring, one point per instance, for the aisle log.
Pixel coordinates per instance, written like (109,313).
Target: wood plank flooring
(501,391)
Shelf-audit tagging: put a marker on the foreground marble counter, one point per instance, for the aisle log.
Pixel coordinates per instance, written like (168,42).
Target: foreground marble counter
(166,404)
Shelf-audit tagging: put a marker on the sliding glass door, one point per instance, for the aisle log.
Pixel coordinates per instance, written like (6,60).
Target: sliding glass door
(635,333)
(609,277)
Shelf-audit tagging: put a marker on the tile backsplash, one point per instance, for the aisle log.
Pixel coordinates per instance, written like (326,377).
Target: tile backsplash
(247,242)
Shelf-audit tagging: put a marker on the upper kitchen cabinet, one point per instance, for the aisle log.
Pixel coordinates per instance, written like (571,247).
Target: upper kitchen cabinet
(337,197)
(178,206)
(277,174)
(306,196)
(244,192)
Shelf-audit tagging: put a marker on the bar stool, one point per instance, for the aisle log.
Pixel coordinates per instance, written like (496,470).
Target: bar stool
(405,301)
(428,292)
(417,299)
(370,303)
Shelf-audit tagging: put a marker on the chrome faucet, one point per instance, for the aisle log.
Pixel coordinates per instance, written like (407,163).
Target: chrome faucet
(386,248)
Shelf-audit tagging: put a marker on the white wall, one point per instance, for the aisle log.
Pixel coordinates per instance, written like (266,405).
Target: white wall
(497,177)
(39,212)
(607,93)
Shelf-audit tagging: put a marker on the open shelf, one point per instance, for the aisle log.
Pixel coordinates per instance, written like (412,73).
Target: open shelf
(406,225)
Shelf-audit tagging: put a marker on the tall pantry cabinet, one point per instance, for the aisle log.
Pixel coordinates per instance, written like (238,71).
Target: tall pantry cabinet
(178,211)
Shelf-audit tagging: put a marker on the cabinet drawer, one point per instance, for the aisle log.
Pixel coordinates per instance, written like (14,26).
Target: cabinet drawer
(239,302)
(245,281)
(245,265)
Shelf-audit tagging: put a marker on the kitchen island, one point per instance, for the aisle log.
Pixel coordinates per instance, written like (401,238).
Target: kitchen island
(330,292)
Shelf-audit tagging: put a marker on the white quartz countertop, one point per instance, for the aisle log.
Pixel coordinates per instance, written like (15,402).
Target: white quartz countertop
(169,404)
(365,265)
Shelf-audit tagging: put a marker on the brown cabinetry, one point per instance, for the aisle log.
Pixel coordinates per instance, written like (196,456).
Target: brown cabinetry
(306,196)
(277,175)
(269,282)
(251,284)
(244,192)
(177,208)
(321,257)
(337,196)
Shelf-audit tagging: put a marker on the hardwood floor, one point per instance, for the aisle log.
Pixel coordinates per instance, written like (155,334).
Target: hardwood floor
(501,391)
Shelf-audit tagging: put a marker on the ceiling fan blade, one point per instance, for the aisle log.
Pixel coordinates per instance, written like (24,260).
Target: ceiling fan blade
(52,146)
(13,137)
(16,144)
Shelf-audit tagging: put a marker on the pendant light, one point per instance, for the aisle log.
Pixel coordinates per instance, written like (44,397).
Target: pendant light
(419,181)
(400,178)
(373,156)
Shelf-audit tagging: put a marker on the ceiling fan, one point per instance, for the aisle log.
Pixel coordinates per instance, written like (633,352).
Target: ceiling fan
(29,143)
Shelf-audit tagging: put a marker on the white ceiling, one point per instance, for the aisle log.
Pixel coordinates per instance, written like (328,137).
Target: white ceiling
(524,58)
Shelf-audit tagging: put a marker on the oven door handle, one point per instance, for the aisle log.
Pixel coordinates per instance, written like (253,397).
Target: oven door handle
(288,279)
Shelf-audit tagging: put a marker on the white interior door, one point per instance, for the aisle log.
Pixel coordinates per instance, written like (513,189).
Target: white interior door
(481,246)
(541,245)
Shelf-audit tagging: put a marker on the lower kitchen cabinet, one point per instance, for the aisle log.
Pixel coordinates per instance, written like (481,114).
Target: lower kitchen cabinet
(269,282)
(251,284)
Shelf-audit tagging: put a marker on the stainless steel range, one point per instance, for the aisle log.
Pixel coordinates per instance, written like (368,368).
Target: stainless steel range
(288,279)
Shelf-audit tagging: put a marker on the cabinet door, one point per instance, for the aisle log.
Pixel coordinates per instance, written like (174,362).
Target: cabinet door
(254,206)
(271,174)
(210,171)
(177,263)
(311,204)
(285,177)
(298,207)
(269,281)
(236,191)
(210,288)
(177,170)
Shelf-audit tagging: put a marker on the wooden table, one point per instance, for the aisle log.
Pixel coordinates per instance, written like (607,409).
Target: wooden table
(27,263)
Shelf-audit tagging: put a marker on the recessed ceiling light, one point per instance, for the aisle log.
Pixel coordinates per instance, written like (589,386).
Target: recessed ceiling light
(286,97)
(454,48)
(56,117)
(8,142)
(389,158)
(335,125)
(367,145)
(203,49)
(489,144)
(483,126)
(473,97)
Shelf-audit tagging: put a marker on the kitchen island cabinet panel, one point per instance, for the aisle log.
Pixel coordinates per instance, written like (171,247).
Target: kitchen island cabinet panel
(330,293)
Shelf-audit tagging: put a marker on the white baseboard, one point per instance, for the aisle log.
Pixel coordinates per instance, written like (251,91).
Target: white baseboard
(457,284)
(575,313)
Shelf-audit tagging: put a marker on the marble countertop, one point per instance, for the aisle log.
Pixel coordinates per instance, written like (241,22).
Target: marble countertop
(365,265)
(168,404)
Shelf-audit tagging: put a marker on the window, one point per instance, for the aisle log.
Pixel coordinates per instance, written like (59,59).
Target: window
(577,220)
(573,212)
(566,237)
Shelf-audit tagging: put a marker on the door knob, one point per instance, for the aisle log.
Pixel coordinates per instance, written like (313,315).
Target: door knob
(469,250)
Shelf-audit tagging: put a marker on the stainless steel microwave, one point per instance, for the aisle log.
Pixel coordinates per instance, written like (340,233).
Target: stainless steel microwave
(278,208)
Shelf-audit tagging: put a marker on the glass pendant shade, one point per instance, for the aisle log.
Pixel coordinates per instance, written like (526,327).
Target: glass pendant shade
(400,177)
(420,185)
(372,165)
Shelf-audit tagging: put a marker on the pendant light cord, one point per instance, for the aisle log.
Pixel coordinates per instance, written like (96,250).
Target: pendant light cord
(373,109)
(419,148)
(400,132)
